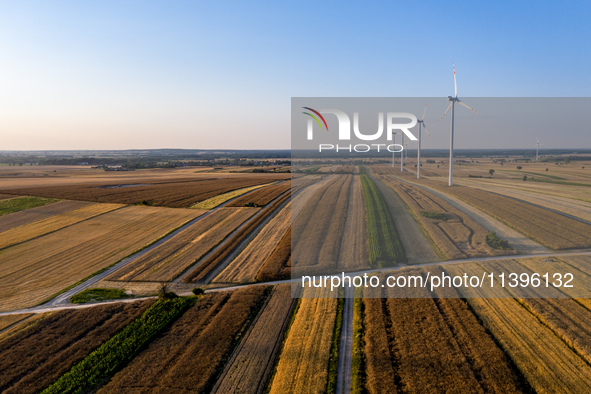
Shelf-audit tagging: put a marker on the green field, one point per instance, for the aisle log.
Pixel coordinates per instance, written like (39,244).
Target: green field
(21,203)
(385,248)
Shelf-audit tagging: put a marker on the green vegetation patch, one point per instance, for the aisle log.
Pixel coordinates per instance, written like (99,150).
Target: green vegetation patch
(21,203)
(120,349)
(333,365)
(358,375)
(385,248)
(495,242)
(96,295)
(434,215)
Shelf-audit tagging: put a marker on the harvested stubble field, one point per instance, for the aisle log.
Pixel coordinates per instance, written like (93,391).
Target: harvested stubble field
(251,366)
(167,261)
(458,236)
(222,198)
(304,360)
(31,215)
(39,268)
(385,248)
(544,359)
(427,345)
(53,223)
(354,253)
(546,227)
(177,193)
(262,196)
(317,231)
(189,356)
(8,320)
(244,268)
(202,271)
(278,265)
(36,357)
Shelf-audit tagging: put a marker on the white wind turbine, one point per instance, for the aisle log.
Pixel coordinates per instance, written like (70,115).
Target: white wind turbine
(451,134)
(421,125)
(537,147)
(393,151)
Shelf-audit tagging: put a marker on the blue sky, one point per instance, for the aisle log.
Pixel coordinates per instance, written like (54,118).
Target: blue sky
(188,74)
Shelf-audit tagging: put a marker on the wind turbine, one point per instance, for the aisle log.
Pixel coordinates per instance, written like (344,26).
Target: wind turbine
(537,147)
(451,134)
(402,153)
(393,151)
(421,125)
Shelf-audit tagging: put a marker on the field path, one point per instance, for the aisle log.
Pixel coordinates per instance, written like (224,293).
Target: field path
(417,247)
(48,307)
(346,347)
(517,241)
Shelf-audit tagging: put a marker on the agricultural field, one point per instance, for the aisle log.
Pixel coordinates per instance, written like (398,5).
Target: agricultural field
(385,248)
(454,233)
(304,360)
(208,267)
(36,357)
(172,258)
(200,340)
(278,265)
(16,204)
(36,269)
(546,227)
(262,197)
(354,254)
(424,345)
(48,225)
(31,215)
(175,193)
(544,359)
(12,320)
(318,229)
(250,367)
(244,268)
(222,198)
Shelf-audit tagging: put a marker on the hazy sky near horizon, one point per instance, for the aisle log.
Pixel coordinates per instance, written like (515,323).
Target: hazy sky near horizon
(220,75)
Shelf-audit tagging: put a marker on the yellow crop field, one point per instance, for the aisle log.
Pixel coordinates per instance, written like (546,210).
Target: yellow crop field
(41,267)
(303,364)
(543,358)
(222,198)
(167,261)
(45,226)
(244,267)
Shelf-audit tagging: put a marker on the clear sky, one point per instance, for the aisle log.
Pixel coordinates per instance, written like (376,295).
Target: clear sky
(220,74)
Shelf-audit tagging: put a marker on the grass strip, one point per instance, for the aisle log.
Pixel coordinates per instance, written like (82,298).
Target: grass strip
(97,295)
(385,248)
(358,362)
(17,204)
(120,349)
(567,183)
(333,364)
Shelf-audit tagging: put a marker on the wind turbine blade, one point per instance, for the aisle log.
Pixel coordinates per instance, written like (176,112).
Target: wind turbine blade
(425,110)
(461,103)
(455,83)
(450,104)
(425,127)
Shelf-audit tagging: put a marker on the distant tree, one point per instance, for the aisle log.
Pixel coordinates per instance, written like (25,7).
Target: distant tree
(519,167)
(524,178)
(501,164)
(491,172)
(583,168)
(546,169)
(437,165)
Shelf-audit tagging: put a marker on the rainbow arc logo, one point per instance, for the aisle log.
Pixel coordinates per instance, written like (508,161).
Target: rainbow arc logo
(315,118)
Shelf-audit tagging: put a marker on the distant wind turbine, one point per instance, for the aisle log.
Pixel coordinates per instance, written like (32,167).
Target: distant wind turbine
(393,151)
(451,134)
(421,125)
(402,153)
(537,147)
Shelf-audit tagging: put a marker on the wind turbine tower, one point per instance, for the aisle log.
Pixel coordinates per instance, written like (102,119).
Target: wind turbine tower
(537,147)
(453,100)
(421,125)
